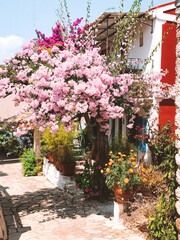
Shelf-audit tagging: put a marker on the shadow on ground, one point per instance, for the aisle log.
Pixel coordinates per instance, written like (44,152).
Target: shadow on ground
(55,203)
(45,205)
(9,160)
(2,174)
(12,218)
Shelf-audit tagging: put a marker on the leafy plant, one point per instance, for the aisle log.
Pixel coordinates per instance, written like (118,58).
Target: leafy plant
(89,179)
(162,225)
(122,145)
(28,160)
(122,170)
(160,141)
(60,144)
(162,145)
(155,179)
(64,154)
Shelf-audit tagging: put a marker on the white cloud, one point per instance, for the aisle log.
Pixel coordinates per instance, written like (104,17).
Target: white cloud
(9,45)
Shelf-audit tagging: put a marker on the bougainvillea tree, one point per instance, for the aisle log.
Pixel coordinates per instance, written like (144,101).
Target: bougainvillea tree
(63,78)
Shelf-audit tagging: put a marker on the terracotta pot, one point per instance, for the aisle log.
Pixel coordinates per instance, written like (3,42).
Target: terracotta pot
(122,196)
(68,169)
(60,166)
(50,157)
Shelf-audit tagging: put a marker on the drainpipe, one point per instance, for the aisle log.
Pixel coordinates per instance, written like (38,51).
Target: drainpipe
(177,117)
(107,38)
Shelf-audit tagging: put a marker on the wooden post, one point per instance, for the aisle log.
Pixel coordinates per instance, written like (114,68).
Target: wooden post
(37,143)
(3,229)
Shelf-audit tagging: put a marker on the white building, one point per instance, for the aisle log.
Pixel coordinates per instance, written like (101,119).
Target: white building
(157,32)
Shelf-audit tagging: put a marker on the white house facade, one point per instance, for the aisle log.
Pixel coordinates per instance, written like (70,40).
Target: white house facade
(158,36)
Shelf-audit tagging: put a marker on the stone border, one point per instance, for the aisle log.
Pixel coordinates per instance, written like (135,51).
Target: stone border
(3,229)
(54,176)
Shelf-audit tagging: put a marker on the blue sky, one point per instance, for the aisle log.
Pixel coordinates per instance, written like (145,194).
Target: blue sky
(20,18)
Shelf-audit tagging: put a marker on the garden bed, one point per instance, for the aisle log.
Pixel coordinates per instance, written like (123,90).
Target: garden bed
(137,212)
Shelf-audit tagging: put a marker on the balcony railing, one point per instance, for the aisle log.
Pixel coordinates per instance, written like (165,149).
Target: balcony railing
(135,63)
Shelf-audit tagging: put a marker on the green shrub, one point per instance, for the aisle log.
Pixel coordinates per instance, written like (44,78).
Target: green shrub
(28,160)
(89,179)
(158,140)
(121,145)
(59,144)
(162,225)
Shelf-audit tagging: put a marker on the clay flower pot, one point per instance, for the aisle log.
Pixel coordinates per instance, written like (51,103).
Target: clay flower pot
(50,157)
(121,195)
(68,169)
(60,166)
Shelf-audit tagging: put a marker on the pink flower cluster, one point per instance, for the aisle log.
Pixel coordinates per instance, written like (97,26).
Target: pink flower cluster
(70,83)
(59,34)
(55,39)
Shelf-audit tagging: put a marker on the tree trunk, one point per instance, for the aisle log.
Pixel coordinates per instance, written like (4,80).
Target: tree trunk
(99,150)
(98,139)
(37,144)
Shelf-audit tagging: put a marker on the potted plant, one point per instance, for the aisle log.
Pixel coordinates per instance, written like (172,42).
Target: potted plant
(123,175)
(49,145)
(60,148)
(66,160)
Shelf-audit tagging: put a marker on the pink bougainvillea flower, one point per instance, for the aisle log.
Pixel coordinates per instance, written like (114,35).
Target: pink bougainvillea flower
(64,76)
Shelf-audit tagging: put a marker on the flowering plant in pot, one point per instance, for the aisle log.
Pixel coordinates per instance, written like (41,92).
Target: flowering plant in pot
(123,175)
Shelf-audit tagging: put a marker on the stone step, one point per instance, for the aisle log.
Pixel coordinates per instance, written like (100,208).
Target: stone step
(77,150)
(77,145)
(80,163)
(77,172)
(79,157)
(79,167)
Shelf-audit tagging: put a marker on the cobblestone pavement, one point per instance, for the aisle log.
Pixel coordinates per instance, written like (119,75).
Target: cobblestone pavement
(35,210)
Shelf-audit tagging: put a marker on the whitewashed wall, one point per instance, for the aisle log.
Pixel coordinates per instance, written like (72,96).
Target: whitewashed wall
(150,41)
(7,107)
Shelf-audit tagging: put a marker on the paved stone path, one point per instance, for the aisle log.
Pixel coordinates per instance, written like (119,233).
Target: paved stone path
(35,210)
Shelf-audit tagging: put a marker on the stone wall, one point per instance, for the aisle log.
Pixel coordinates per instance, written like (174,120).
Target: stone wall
(3,230)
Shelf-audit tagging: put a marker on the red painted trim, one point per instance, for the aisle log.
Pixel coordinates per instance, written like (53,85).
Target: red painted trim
(163,5)
(168,53)
(171,11)
(167,107)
